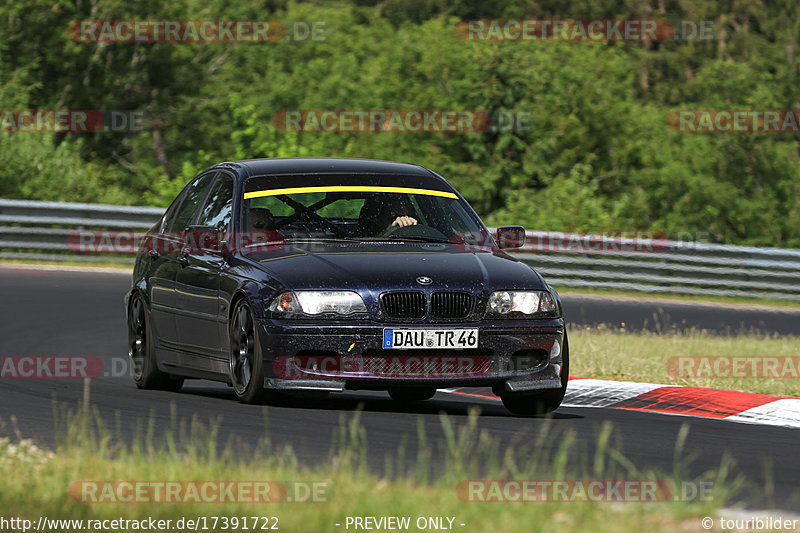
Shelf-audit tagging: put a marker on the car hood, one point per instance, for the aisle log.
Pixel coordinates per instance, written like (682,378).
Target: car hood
(395,266)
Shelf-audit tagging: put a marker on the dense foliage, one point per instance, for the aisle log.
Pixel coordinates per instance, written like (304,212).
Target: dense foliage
(598,155)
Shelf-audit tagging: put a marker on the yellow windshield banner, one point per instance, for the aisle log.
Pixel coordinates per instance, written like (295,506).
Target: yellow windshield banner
(347,188)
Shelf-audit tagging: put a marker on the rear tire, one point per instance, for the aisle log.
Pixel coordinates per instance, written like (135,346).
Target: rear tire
(411,394)
(540,403)
(141,351)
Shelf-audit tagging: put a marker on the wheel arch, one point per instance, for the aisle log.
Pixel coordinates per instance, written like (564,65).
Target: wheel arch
(139,288)
(250,292)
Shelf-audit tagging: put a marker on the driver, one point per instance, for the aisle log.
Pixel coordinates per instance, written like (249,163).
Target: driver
(381,213)
(403,221)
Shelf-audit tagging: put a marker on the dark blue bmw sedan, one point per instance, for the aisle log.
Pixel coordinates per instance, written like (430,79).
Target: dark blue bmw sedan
(298,275)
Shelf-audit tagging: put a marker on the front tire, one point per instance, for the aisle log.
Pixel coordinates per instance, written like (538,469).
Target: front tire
(141,351)
(246,365)
(540,403)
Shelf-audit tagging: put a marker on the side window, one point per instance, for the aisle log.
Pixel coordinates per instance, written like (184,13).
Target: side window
(218,209)
(193,195)
(169,216)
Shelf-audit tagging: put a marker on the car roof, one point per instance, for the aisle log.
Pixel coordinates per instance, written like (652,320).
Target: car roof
(326,165)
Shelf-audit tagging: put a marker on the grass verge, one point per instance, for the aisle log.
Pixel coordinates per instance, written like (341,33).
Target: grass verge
(598,352)
(37,483)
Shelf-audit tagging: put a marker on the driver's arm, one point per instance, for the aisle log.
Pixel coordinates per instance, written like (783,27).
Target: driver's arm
(400,222)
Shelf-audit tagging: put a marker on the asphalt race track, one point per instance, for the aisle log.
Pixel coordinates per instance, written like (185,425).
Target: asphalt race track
(76,313)
(663,316)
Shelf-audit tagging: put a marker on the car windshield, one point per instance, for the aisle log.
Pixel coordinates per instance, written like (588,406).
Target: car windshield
(363,208)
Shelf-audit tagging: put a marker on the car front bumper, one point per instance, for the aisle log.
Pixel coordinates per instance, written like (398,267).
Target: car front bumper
(512,355)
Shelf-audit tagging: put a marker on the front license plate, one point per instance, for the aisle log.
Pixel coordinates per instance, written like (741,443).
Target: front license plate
(407,339)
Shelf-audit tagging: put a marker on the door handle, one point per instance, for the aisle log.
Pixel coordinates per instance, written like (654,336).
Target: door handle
(183,260)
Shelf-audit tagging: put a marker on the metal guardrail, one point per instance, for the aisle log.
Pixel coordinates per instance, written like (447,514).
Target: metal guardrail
(663,266)
(37,231)
(28,228)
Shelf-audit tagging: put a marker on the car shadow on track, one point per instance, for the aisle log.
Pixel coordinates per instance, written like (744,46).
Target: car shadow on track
(375,402)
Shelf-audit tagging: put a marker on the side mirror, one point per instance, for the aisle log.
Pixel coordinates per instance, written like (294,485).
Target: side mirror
(510,237)
(204,239)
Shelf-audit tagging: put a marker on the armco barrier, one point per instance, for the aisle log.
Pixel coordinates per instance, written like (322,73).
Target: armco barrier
(37,231)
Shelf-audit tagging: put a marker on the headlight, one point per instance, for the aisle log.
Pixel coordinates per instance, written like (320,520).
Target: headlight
(318,302)
(526,302)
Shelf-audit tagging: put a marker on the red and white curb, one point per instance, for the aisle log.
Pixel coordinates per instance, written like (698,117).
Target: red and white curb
(746,407)
(691,401)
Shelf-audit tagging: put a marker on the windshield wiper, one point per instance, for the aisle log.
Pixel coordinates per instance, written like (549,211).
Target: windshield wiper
(438,240)
(321,239)
(392,238)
